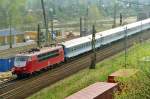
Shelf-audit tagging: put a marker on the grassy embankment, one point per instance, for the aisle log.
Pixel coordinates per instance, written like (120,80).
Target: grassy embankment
(86,77)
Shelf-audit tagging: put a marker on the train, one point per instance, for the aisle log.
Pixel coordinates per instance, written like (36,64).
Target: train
(30,62)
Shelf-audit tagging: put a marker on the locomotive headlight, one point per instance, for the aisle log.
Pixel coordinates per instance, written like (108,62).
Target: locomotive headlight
(24,68)
(29,59)
(13,69)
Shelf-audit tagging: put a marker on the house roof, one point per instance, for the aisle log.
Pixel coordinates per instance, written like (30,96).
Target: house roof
(6,32)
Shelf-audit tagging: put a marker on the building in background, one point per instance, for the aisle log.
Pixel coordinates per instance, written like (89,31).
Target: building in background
(30,35)
(16,36)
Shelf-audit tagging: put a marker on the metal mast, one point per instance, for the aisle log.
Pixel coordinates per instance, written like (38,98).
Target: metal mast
(81,33)
(115,12)
(38,36)
(93,57)
(45,23)
(125,46)
(10,32)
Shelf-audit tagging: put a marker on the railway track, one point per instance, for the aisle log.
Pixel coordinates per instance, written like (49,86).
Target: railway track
(20,89)
(13,51)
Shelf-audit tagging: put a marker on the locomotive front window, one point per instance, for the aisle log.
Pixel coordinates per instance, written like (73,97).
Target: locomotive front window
(21,58)
(20,61)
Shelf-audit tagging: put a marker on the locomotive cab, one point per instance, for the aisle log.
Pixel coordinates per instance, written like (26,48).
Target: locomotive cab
(20,64)
(20,61)
(32,62)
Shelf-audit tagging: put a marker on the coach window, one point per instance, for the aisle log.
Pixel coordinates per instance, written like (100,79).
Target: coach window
(69,50)
(79,46)
(74,48)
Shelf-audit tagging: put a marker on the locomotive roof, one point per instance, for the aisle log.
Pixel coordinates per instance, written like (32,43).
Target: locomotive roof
(42,50)
(85,39)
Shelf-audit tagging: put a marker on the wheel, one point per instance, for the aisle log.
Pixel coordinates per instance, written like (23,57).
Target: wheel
(19,76)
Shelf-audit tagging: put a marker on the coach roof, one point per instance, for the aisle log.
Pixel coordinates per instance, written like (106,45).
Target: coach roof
(85,39)
(75,42)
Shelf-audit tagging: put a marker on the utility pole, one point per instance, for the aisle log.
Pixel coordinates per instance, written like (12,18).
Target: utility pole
(45,23)
(86,21)
(93,57)
(52,25)
(120,19)
(138,12)
(125,44)
(52,22)
(38,36)
(140,38)
(115,12)
(100,3)
(10,32)
(81,32)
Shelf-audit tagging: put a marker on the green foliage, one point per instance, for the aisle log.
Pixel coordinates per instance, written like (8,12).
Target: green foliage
(64,10)
(138,87)
(15,10)
(94,13)
(11,10)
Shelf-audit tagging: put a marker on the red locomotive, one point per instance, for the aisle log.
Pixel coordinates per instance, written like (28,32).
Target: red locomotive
(36,60)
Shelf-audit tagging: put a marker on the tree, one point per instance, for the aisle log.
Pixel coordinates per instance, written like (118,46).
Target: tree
(13,9)
(94,13)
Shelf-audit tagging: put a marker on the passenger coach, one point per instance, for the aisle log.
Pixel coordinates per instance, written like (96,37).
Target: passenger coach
(81,45)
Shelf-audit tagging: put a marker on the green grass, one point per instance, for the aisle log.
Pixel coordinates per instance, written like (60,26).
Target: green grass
(86,77)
